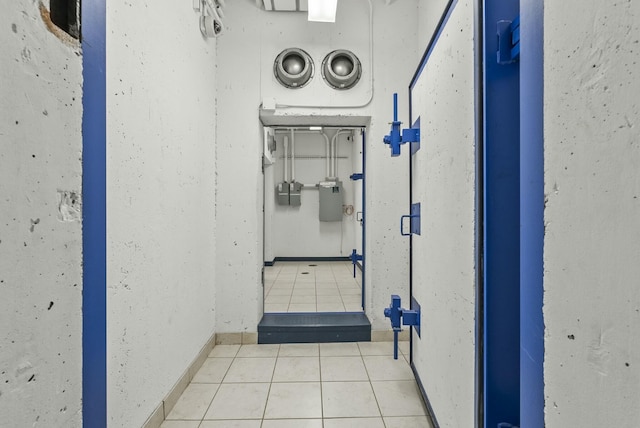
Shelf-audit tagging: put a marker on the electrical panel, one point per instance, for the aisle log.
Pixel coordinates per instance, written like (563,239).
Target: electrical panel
(289,193)
(331,200)
(282,193)
(295,193)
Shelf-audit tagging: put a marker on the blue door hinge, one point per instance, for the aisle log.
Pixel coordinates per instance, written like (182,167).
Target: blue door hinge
(355,257)
(401,316)
(356,176)
(508,41)
(396,136)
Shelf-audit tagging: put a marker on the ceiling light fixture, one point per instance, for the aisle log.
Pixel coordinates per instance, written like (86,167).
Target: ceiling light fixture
(322,10)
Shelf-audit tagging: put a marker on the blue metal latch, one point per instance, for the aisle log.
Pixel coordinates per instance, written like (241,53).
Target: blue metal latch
(356,176)
(355,257)
(399,317)
(506,425)
(396,136)
(508,41)
(414,219)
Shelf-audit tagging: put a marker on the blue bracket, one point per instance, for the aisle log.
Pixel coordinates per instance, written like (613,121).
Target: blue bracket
(396,136)
(399,317)
(508,41)
(356,176)
(415,145)
(415,221)
(355,257)
(506,425)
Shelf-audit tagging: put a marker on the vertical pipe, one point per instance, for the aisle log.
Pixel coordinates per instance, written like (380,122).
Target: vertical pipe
(328,151)
(286,158)
(333,154)
(293,156)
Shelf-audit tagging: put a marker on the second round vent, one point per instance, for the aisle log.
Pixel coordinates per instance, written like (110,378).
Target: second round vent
(341,69)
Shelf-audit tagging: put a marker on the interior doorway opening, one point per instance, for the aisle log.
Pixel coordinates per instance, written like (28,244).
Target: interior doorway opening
(314,226)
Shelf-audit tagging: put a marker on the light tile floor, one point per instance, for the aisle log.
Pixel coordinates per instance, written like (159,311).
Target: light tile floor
(327,385)
(312,287)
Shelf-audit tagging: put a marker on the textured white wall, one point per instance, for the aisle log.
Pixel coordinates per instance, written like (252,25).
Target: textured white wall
(40,222)
(161,77)
(592,215)
(298,231)
(430,13)
(239,156)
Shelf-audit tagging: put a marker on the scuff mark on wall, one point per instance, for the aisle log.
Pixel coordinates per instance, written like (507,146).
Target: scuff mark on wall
(33,224)
(69,206)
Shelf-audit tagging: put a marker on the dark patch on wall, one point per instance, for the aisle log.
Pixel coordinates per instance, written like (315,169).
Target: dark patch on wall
(64,34)
(32,378)
(66,15)
(14,28)
(50,306)
(571,337)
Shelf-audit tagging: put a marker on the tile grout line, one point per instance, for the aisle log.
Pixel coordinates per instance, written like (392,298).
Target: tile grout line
(371,386)
(321,387)
(266,403)
(219,385)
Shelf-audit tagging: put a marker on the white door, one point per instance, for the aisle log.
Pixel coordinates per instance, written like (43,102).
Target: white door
(443,174)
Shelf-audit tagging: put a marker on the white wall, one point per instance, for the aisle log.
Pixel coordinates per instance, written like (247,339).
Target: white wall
(161,77)
(248,30)
(297,230)
(592,215)
(430,13)
(40,230)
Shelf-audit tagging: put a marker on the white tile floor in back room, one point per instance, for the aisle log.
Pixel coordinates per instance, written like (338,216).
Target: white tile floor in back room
(327,385)
(312,287)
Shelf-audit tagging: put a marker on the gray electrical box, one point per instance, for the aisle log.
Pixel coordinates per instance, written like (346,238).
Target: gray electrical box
(331,200)
(282,193)
(295,193)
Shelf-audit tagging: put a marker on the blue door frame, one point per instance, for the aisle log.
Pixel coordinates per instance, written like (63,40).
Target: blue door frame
(513,195)
(364,211)
(94,249)
(501,196)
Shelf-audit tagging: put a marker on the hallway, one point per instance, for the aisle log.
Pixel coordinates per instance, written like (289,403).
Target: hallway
(487,179)
(327,385)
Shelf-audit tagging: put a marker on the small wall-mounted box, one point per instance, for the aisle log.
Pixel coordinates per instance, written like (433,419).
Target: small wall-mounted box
(295,194)
(331,200)
(282,193)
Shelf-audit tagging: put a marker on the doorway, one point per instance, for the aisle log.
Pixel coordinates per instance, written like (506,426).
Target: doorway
(314,227)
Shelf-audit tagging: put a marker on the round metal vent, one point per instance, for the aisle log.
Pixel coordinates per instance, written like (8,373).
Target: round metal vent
(293,68)
(341,69)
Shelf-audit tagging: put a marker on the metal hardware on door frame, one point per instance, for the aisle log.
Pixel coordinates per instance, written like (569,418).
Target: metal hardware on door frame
(399,317)
(396,136)
(414,222)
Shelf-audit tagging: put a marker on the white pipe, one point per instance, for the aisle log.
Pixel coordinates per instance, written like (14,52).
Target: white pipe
(328,152)
(293,156)
(334,144)
(306,130)
(334,154)
(286,159)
